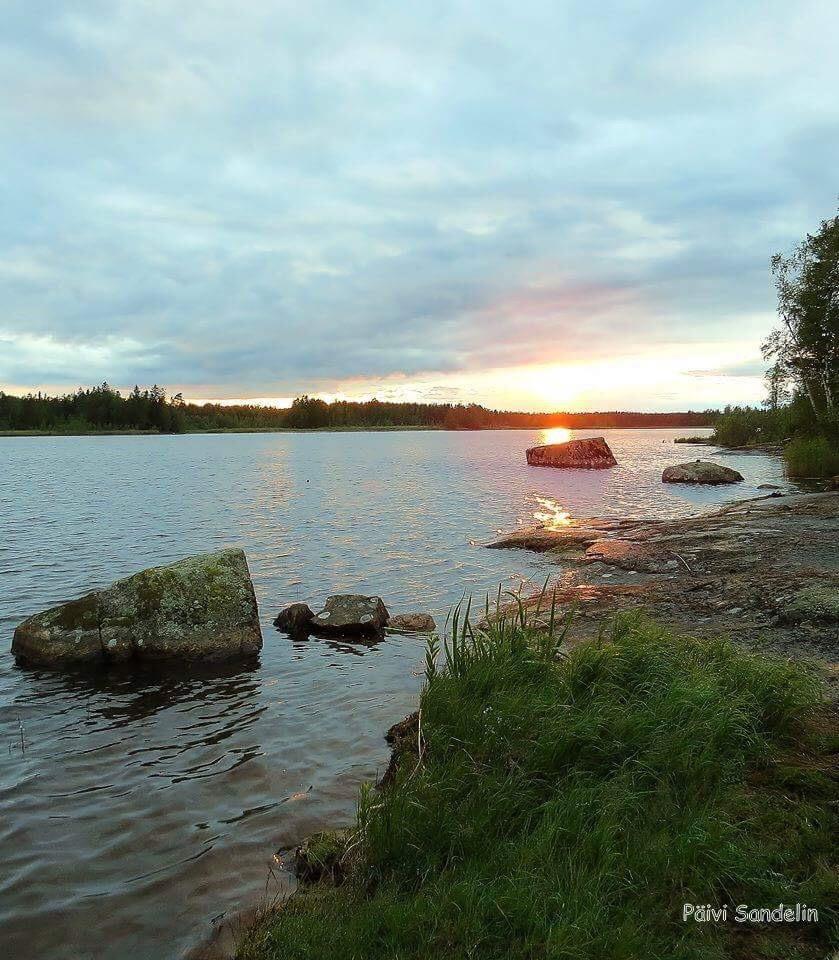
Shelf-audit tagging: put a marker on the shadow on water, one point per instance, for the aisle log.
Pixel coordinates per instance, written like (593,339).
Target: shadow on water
(128,692)
(355,646)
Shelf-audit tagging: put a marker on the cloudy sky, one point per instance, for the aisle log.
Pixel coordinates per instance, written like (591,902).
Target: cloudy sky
(535,204)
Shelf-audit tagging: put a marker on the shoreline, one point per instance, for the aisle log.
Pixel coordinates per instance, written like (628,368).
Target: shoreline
(763,571)
(363,429)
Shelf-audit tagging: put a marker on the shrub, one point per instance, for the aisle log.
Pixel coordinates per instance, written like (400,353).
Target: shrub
(812,457)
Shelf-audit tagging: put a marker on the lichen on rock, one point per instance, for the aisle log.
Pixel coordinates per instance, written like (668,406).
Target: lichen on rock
(201,608)
(701,472)
(818,604)
(350,614)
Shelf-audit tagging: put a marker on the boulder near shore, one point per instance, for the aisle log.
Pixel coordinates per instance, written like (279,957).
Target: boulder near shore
(701,471)
(349,614)
(412,623)
(589,454)
(201,608)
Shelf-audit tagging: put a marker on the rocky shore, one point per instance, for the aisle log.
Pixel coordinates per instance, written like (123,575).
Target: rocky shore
(765,572)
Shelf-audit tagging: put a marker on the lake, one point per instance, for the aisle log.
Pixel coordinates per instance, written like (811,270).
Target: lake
(136,808)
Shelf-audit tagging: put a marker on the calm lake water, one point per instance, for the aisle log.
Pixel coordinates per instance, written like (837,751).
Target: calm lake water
(136,808)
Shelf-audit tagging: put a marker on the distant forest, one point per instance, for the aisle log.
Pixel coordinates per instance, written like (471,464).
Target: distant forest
(102,409)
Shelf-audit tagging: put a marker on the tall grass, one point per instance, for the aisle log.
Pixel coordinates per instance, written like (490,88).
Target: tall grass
(566,803)
(812,457)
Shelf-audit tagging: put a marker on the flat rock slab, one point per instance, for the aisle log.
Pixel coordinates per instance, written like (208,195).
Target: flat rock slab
(763,571)
(701,471)
(542,539)
(589,454)
(629,555)
(349,614)
(202,608)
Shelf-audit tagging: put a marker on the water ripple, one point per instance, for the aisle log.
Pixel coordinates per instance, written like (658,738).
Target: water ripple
(136,806)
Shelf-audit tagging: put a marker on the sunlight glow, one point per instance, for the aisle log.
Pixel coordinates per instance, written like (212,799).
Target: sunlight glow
(551,514)
(555,435)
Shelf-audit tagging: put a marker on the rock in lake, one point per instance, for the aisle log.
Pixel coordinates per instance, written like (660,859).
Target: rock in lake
(348,614)
(701,471)
(202,608)
(295,618)
(412,623)
(590,454)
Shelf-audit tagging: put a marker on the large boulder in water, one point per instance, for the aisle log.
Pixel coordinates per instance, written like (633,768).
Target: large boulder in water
(349,614)
(589,454)
(701,471)
(202,608)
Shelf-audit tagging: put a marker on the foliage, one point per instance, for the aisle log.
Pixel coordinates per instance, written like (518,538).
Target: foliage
(103,408)
(740,426)
(812,457)
(566,804)
(805,347)
(97,408)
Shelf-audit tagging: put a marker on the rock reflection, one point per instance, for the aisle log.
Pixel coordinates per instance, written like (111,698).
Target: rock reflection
(356,646)
(126,694)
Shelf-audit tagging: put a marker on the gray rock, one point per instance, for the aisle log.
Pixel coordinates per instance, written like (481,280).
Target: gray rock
(349,614)
(590,454)
(816,604)
(294,618)
(412,623)
(202,608)
(768,486)
(701,471)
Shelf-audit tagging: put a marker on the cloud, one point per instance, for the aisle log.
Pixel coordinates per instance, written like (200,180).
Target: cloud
(747,368)
(258,200)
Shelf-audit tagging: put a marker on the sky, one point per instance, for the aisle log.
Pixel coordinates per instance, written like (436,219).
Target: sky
(533,205)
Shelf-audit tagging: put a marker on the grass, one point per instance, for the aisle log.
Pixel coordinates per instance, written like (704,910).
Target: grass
(567,804)
(812,457)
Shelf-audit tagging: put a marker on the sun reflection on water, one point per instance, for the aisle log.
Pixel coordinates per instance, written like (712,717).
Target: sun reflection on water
(555,435)
(551,514)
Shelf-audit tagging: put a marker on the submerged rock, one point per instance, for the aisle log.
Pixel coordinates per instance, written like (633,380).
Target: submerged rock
(349,614)
(202,608)
(701,471)
(295,618)
(412,623)
(589,454)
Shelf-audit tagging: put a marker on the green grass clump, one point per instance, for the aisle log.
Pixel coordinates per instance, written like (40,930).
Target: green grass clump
(812,457)
(566,806)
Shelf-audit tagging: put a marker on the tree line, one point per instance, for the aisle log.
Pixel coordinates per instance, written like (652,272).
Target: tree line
(103,408)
